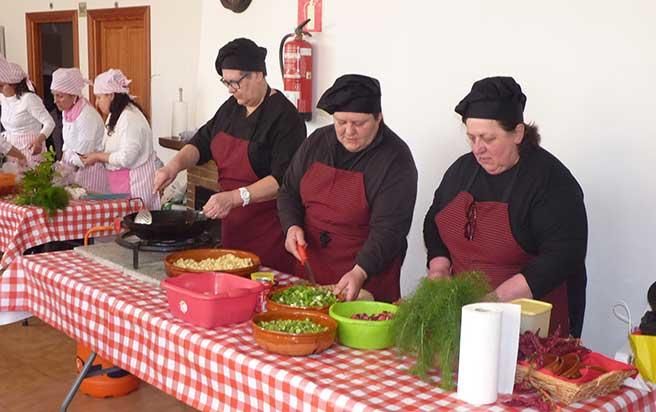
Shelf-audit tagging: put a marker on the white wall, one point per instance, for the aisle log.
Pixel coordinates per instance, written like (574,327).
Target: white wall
(587,68)
(174,38)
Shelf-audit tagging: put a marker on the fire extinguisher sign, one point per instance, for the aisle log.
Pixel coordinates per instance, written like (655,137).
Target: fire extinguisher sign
(310,9)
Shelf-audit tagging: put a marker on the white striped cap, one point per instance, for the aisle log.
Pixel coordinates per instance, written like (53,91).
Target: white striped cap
(11,73)
(111,81)
(69,81)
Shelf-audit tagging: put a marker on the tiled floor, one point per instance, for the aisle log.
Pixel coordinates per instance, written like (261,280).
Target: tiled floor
(37,368)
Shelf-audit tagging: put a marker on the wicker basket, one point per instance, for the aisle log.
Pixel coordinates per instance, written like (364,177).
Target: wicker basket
(570,392)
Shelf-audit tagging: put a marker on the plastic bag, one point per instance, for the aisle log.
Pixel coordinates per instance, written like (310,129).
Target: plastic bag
(642,346)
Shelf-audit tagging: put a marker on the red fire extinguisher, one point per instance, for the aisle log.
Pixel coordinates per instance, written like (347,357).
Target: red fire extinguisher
(296,68)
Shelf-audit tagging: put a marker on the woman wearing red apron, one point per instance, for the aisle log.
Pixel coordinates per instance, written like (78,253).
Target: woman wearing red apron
(128,153)
(349,194)
(26,121)
(510,209)
(83,128)
(252,139)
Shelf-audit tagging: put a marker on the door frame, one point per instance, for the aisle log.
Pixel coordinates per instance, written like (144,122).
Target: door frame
(97,16)
(32,21)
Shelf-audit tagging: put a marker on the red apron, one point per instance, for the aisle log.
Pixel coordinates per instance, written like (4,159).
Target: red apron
(493,248)
(256,227)
(337,226)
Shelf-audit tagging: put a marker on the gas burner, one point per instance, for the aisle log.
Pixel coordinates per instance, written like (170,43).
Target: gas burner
(131,241)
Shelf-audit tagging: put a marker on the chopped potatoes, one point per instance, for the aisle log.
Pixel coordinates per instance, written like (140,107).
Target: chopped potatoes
(225,262)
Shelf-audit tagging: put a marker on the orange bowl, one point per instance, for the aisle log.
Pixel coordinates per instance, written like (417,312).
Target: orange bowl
(301,344)
(201,254)
(273,305)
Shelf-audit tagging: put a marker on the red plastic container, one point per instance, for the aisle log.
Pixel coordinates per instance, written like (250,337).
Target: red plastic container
(212,299)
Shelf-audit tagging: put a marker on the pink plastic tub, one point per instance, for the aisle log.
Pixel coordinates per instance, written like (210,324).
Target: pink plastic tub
(211,299)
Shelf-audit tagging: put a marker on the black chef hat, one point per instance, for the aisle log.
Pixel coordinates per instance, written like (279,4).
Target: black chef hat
(241,54)
(498,98)
(352,93)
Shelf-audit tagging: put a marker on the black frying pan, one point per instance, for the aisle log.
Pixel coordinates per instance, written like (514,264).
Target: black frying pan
(168,225)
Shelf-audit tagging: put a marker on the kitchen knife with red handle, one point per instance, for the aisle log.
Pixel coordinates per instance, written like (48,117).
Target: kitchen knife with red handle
(302,254)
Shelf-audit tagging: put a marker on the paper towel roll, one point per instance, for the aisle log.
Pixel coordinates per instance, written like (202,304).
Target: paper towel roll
(485,342)
(179,119)
(480,338)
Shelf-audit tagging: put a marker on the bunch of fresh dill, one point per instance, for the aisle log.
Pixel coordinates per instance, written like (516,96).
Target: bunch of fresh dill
(427,324)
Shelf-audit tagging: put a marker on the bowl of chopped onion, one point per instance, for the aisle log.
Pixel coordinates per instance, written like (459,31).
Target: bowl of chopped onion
(236,262)
(294,332)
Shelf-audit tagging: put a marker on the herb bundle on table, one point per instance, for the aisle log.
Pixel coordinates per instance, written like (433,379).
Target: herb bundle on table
(37,188)
(427,324)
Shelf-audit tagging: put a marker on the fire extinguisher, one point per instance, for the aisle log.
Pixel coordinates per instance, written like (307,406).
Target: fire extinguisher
(296,68)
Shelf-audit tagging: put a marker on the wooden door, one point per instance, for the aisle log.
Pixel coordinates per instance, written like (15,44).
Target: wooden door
(37,43)
(119,38)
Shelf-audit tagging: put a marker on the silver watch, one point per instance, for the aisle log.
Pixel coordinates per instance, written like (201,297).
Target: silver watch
(245,196)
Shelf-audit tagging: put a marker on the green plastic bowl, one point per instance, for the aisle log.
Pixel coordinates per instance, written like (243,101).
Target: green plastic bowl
(363,334)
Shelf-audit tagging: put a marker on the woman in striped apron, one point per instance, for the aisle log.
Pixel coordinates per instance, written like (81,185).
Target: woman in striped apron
(26,121)
(128,153)
(83,129)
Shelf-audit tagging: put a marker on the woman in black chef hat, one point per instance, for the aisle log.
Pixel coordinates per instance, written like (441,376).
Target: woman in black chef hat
(349,194)
(251,138)
(510,209)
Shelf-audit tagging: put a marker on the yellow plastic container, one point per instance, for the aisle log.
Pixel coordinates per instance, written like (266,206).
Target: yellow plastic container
(535,315)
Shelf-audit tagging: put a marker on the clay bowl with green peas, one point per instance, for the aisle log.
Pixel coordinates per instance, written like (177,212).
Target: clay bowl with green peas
(307,297)
(294,332)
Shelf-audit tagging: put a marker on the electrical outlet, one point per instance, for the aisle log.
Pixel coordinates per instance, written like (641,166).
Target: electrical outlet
(82,9)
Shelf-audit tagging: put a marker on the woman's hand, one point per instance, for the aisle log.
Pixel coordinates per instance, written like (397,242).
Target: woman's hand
(439,267)
(36,146)
(350,284)
(164,176)
(295,237)
(90,159)
(221,203)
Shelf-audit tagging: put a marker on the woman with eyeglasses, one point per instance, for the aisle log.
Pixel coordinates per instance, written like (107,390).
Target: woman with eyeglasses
(510,209)
(82,128)
(251,138)
(26,121)
(128,153)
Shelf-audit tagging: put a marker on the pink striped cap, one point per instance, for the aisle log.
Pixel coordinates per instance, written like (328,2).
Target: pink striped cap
(11,73)
(69,81)
(111,81)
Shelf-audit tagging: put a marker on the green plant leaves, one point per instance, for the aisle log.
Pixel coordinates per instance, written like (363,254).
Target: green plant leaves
(37,189)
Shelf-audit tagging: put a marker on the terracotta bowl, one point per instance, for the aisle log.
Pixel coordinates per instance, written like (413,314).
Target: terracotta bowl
(272,305)
(294,344)
(200,254)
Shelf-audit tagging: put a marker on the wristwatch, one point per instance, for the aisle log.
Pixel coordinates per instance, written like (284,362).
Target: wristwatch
(245,196)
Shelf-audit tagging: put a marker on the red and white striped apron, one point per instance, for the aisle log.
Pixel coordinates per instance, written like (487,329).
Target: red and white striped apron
(93,178)
(138,182)
(22,142)
(493,248)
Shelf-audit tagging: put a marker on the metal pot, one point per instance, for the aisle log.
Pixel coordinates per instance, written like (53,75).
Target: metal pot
(168,225)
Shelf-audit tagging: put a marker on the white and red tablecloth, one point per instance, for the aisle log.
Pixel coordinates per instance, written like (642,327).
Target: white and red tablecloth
(23,227)
(127,322)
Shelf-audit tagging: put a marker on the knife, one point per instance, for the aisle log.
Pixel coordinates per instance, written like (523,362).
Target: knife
(302,254)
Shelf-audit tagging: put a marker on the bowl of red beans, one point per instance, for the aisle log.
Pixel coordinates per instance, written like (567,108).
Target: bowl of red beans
(364,324)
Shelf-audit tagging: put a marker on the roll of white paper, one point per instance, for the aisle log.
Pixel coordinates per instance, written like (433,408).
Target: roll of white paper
(480,337)
(179,119)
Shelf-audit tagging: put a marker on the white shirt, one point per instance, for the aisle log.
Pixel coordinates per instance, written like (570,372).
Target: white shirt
(83,135)
(26,115)
(131,144)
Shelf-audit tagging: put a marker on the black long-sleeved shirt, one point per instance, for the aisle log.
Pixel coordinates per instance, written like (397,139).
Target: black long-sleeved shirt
(390,180)
(547,216)
(274,132)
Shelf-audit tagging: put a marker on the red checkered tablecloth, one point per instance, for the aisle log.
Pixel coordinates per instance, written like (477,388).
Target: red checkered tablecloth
(127,321)
(23,227)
